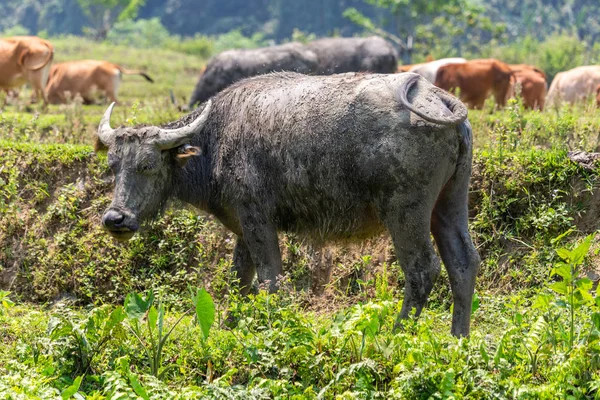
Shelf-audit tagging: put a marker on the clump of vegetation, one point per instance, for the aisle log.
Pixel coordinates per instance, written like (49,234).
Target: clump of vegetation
(520,348)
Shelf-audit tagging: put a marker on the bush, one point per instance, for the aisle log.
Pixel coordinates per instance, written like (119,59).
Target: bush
(142,33)
(17,30)
(555,54)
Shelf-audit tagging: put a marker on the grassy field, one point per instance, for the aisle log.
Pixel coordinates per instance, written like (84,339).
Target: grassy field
(69,329)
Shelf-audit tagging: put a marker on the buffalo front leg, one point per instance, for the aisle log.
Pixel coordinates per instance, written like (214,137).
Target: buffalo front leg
(243,266)
(417,258)
(260,236)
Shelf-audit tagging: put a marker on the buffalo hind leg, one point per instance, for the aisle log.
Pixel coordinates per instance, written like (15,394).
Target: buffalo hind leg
(260,236)
(417,258)
(243,266)
(449,225)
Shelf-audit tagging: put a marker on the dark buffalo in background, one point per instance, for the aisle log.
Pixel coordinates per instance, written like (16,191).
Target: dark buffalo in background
(339,55)
(233,65)
(340,157)
(321,57)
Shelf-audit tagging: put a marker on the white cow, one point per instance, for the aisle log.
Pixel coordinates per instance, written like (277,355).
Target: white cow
(429,70)
(574,85)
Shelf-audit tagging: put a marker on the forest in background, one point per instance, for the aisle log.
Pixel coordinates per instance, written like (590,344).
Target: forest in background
(276,20)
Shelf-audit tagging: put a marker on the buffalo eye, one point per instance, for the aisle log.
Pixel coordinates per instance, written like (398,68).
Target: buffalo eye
(146,167)
(113,161)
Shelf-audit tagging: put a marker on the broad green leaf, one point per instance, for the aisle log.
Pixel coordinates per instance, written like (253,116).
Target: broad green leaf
(499,351)
(136,307)
(565,254)
(563,270)
(161,320)
(542,301)
(596,320)
(584,296)
(579,252)
(205,311)
(152,317)
(561,236)
(137,387)
(475,303)
(116,317)
(559,287)
(4,300)
(584,284)
(484,353)
(71,390)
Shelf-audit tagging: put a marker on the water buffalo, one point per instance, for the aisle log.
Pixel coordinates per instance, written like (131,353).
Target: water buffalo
(339,157)
(338,55)
(233,65)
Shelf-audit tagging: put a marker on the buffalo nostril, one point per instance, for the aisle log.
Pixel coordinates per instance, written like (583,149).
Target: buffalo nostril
(113,219)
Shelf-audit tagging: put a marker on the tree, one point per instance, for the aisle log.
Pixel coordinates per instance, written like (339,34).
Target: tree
(446,26)
(102,14)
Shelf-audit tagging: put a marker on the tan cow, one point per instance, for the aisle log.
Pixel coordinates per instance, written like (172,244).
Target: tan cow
(72,78)
(25,59)
(533,85)
(574,85)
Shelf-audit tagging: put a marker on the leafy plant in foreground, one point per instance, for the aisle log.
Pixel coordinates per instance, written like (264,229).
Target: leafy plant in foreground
(5,302)
(575,291)
(147,322)
(88,336)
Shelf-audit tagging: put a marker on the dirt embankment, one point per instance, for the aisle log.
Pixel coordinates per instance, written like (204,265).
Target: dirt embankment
(52,246)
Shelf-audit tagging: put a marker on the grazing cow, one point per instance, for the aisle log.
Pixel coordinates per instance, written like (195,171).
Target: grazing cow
(574,85)
(429,70)
(233,65)
(598,95)
(25,59)
(476,79)
(338,157)
(339,55)
(532,81)
(72,78)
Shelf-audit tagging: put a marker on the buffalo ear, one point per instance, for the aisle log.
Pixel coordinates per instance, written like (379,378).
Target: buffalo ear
(185,152)
(100,147)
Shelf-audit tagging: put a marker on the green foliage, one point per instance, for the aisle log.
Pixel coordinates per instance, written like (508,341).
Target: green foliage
(155,336)
(142,33)
(440,27)
(16,30)
(5,302)
(556,53)
(104,13)
(278,350)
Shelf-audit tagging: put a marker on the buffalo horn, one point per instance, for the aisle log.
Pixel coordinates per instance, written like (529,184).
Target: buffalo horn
(105,132)
(171,138)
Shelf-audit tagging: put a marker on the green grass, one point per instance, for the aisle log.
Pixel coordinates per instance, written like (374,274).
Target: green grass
(66,275)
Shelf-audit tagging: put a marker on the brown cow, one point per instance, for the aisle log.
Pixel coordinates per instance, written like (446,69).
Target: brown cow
(598,95)
(83,77)
(25,59)
(533,85)
(476,79)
